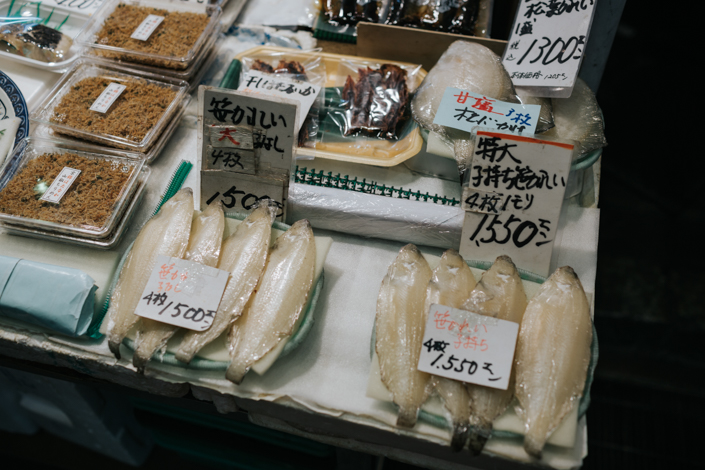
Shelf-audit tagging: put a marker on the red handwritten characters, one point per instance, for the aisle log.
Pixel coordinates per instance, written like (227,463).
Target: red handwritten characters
(471,342)
(225,133)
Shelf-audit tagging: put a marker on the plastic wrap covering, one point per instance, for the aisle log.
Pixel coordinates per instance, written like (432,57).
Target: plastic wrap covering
(467,66)
(468,17)
(279,13)
(369,215)
(545,121)
(351,12)
(167,234)
(312,70)
(66,301)
(373,102)
(579,118)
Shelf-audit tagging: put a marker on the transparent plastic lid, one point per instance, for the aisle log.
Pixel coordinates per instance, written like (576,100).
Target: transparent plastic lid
(63,187)
(159,33)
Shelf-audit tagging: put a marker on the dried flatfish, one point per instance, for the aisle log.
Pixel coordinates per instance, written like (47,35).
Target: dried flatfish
(278,300)
(243,255)
(552,358)
(166,233)
(399,327)
(499,294)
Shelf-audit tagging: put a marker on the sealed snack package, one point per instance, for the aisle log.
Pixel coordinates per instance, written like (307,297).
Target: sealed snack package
(373,101)
(351,12)
(309,70)
(468,17)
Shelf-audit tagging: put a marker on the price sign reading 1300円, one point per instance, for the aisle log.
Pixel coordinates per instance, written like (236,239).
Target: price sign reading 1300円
(465,346)
(182,293)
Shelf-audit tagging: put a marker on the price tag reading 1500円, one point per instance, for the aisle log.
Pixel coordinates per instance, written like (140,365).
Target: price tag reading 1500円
(465,346)
(182,293)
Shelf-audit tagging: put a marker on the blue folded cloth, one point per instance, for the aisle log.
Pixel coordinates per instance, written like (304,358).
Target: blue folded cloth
(54,297)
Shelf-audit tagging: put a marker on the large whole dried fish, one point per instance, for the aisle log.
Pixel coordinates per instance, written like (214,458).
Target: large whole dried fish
(451,285)
(499,294)
(204,248)
(243,255)
(166,234)
(399,327)
(35,41)
(552,358)
(279,299)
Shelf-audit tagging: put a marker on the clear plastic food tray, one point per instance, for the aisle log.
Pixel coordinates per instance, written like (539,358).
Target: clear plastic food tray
(109,17)
(67,111)
(78,212)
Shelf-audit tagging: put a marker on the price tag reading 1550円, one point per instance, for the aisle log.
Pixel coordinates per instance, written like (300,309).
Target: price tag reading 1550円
(465,346)
(182,293)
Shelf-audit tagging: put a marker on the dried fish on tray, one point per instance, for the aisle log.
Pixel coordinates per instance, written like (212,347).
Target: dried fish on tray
(35,41)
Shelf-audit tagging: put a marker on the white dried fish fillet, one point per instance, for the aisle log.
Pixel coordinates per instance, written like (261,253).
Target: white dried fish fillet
(579,118)
(399,327)
(164,234)
(552,358)
(278,300)
(244,254)
(204,248)
(499,294)
(451,285)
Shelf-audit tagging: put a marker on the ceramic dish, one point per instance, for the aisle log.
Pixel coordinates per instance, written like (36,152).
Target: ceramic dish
(12,104)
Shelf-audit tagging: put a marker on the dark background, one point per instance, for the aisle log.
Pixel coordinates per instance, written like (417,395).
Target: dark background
(646,399)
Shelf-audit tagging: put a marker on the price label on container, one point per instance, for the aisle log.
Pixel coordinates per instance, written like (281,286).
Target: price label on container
(469,347)
(466,110)
(60,185)
(106,99)
(547,44)
(147,27)
(182,293)
(257,82)
(513,199)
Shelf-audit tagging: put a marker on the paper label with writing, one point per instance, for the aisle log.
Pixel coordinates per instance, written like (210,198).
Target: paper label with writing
(305,93)
(60,185)
(147,27)
(466,110)
(241,192)
(547,43)
(182,293)
(469,347)
(513,199)
(107,97)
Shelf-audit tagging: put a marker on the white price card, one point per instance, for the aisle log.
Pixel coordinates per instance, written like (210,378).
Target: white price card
(182,293)
(466,110)
(547,44)
(147,27)
(60,185)
(305,93)
(513,199)
(469,347)
(106,99)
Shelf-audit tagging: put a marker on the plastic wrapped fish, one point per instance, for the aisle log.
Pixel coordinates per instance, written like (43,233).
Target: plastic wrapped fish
(350,12)
(34,41)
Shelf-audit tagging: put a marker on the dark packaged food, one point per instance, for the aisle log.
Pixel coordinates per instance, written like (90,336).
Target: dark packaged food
(34,41)
(351,12)
(452,16)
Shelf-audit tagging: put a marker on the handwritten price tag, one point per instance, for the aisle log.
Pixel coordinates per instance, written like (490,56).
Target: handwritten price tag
(547,44)
(465,346)
(60,185)
(275,85)
(106,99)
(182,293)
(466,110)
(147,27)
(513,199)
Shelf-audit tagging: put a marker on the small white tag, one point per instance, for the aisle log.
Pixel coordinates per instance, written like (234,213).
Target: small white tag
(466,110)
(60,185)
(465,346)
(276,85)
(107,98)
(182,293)
(147,27)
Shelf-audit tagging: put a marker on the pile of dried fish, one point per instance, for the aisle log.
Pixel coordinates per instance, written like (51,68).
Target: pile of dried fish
(551,359)
(266,291)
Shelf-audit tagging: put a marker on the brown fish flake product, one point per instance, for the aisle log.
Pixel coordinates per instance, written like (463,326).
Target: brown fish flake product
(174,38)
(376,103)
(88,203)
(133,114)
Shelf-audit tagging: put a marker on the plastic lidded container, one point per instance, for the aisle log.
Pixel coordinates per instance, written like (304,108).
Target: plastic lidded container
(133,120)
(166,34)
(88,204)
(45,132)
